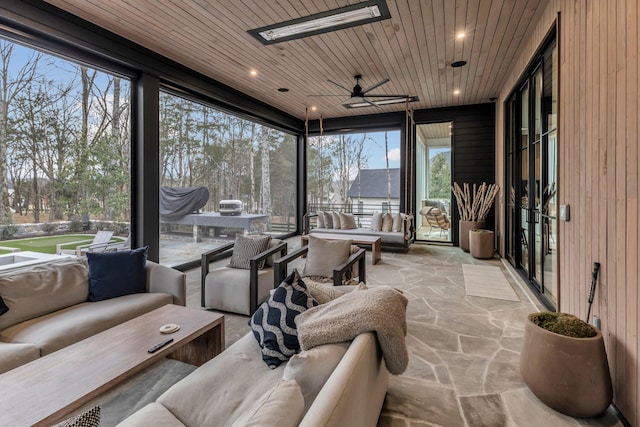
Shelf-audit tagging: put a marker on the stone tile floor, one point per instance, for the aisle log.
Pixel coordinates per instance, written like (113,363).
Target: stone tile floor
(464,351)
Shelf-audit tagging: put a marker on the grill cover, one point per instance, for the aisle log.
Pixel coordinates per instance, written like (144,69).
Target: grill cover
(176,202)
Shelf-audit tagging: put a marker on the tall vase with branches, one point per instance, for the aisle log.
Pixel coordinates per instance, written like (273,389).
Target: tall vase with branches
(474,204)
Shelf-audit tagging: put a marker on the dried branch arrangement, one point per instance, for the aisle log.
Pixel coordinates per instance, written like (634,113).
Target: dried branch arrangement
(474,205)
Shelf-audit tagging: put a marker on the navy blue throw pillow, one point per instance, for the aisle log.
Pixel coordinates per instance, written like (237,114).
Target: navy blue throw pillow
(273,324)
(3,307)
(114,274)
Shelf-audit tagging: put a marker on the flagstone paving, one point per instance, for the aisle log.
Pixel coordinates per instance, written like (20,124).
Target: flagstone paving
(464,351)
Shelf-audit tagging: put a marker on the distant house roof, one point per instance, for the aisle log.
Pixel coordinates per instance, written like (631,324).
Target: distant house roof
(373,184)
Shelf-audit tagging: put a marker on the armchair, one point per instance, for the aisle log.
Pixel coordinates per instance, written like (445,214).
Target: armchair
(355,262)
(239,290)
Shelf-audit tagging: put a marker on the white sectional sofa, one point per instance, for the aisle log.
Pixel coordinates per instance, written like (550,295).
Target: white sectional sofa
(342,384)
(48,307)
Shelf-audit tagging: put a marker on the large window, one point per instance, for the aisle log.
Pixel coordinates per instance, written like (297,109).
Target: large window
(357,172)
(245,172)
(64,145)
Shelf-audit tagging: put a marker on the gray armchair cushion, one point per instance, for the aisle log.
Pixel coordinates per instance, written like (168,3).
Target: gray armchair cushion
(325,255)
(227,289)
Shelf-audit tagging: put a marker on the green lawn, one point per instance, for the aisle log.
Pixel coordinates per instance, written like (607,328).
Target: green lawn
(48,244)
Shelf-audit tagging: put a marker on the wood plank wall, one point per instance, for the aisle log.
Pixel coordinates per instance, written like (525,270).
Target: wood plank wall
(598,172)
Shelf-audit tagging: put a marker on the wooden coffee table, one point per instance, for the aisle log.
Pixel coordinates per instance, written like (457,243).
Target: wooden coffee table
(48,389)
(373,241)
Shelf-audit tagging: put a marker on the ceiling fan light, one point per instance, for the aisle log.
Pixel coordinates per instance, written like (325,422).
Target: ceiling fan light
(380,102)
(345,17)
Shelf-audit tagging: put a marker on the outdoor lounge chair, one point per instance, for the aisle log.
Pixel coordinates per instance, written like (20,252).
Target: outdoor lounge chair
(100,241)
(435,219)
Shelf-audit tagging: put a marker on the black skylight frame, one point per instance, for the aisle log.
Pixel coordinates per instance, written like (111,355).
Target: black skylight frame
(382,7)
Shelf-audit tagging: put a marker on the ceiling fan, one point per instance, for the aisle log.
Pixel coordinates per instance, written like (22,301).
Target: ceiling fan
(358,94)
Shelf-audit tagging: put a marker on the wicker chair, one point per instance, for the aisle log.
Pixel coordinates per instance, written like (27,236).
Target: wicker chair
(435,219)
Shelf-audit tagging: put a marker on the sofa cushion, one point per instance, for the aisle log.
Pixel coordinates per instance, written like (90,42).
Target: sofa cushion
(324,255)
(245,248)
(64,327)
(114,274)
(42,289)
(321,292)
(387,222)
(154,414)
(328,219)
(347,221)
(226,386)
(396,225)
(273,323)
(227,289)
(13,355)
(376,221)
(311,368)
(335,216)
(320,222)
(282,406)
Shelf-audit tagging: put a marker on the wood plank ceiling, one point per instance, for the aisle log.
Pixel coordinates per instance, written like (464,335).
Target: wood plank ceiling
(414,49)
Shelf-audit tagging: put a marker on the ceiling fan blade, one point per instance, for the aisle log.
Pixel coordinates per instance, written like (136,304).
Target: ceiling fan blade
(388,96)
(380,83)
(326,95)
(369,102)
(339,85)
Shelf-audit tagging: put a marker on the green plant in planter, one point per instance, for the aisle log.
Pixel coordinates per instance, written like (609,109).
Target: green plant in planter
(563,324)
(564,363)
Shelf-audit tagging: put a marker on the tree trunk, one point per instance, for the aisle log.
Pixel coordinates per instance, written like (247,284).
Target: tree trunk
(266,180)
(252,178)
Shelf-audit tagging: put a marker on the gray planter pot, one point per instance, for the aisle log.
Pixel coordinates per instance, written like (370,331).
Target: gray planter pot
(481,243)
(570,375)
(463,229)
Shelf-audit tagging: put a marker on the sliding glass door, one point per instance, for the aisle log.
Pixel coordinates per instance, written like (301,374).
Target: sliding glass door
(531,147)
(433,182)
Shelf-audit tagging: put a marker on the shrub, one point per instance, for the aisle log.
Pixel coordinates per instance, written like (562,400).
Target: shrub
(75,225)
(47,227)
(563,324)
(9,231)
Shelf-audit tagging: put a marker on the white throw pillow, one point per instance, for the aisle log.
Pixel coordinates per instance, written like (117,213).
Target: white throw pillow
(376,222)
(322,293)
(387,222)
(397,223)
(335,216)
(312,368)
(328,219)
(320,219)
(347,221)
(325,255)
(282,406)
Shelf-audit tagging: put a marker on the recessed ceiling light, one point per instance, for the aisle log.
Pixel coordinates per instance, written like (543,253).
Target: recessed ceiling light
(283,89)
(456,92)
(330,20)
(314,108)
(457,64)
(460,35)
(253,72)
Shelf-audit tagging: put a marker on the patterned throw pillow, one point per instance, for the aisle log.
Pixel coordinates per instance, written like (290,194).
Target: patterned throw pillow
(89,418)
(3,307)
(323,293)
(376,222)
(245,248)
(273,324)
